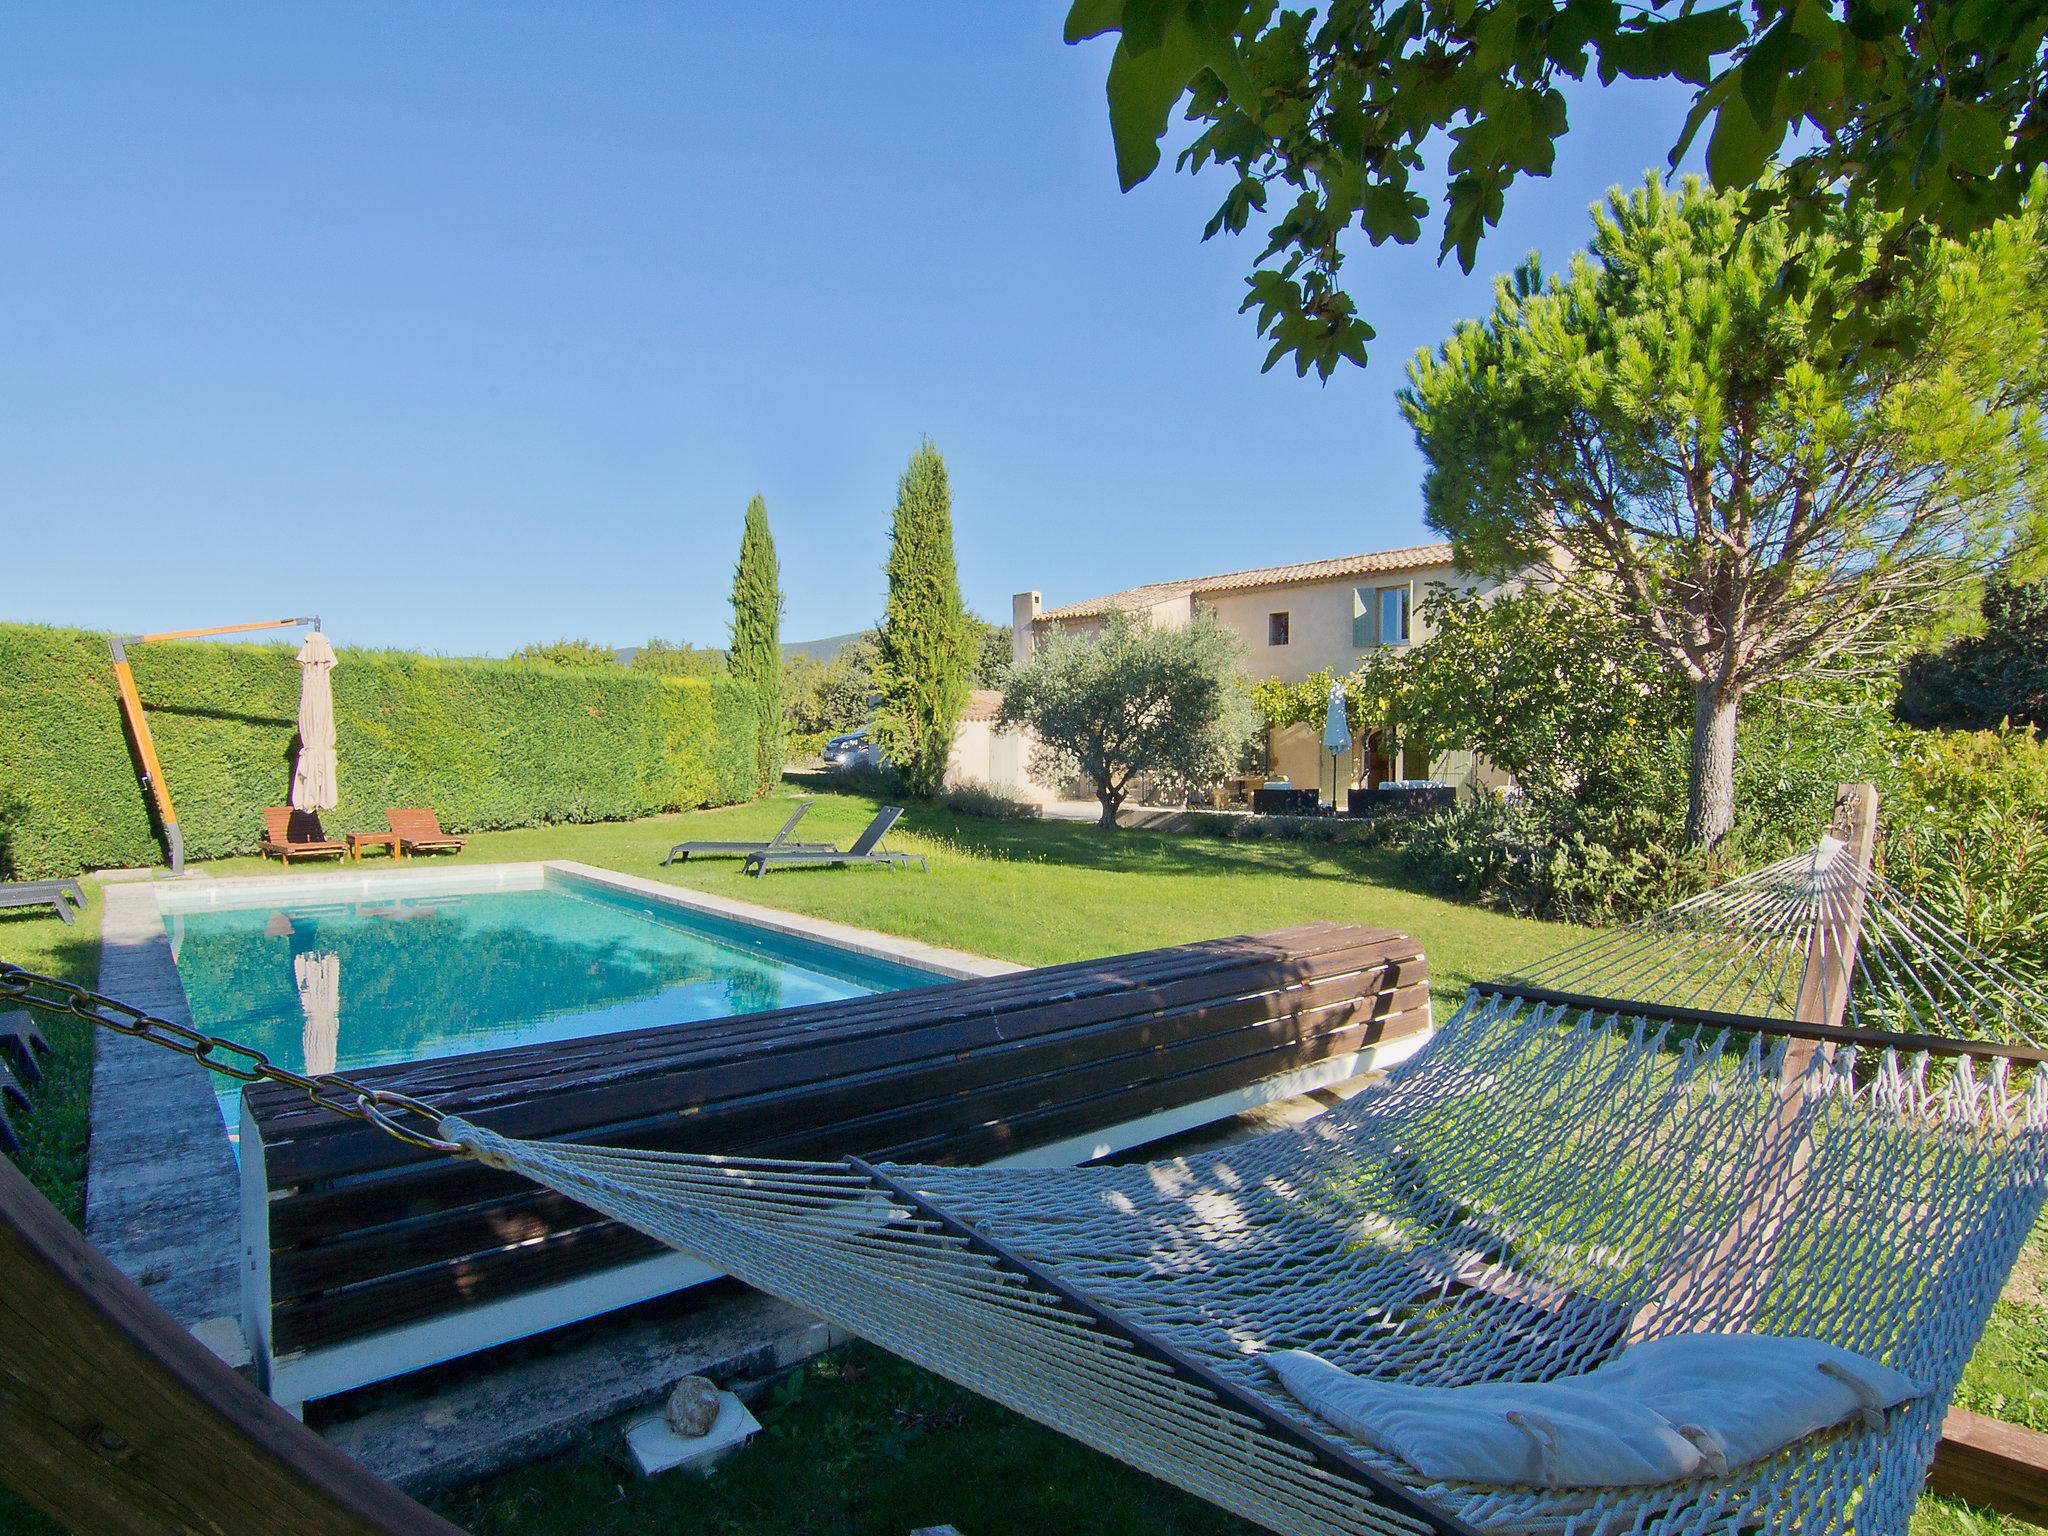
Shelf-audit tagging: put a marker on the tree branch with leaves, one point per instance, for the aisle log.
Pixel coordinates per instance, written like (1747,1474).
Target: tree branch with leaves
(1325,119)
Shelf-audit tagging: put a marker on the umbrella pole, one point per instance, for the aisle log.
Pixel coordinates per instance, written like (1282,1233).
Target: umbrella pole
(138,723)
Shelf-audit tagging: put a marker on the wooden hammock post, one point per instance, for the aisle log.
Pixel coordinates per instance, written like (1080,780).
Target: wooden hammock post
(1828,971)
(117,1422)
(1824,982)
(1830,968)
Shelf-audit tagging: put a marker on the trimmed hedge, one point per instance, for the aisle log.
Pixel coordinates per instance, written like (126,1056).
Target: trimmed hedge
(485,743)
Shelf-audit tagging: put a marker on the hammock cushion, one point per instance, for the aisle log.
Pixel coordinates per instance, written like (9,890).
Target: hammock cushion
(1684,1406)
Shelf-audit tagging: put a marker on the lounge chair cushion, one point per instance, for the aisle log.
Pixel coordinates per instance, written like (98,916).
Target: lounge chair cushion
(1691,1405)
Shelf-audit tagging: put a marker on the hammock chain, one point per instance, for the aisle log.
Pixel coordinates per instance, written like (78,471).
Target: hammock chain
(332,1091)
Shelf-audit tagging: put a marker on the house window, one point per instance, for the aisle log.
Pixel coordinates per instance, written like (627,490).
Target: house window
(1276,629)
(1394,615)
(1361,617)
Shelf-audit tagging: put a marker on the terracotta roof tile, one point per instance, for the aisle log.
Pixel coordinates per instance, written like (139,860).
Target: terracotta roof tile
(1265,576)
(983,704)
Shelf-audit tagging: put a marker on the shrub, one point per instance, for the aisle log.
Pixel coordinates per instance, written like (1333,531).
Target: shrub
(486,743)
(1551,859)
(1344,831)
(974,798)
(1967,838)
(878,781)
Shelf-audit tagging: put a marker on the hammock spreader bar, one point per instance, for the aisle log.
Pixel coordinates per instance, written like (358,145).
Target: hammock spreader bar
(1792,1029)
(1326,1453)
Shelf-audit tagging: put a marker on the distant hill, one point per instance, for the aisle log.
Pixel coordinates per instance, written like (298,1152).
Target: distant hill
(825,649)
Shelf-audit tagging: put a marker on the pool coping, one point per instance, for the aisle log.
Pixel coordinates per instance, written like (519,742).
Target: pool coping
(956,964)
(163,1191)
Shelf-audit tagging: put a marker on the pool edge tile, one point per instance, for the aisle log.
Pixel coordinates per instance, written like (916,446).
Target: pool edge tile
(954,963)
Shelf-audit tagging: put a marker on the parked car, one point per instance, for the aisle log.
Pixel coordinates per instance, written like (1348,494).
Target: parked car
(853,750)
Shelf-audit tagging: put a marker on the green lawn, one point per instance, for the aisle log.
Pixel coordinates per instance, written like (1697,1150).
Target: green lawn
(862,1445)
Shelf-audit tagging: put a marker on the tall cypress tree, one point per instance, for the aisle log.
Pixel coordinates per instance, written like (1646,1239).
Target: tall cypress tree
(924,654)
(757,638)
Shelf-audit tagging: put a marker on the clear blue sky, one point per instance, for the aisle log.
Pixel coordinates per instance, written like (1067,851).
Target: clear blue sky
(472,325)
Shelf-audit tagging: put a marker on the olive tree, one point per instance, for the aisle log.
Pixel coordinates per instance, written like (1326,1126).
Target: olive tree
(1757,493)
(1133,698)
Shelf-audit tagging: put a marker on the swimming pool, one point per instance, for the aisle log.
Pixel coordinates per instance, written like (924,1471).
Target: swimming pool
(360,972)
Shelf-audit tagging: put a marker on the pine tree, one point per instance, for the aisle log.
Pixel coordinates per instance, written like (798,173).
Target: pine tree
(756,658)
(925,652)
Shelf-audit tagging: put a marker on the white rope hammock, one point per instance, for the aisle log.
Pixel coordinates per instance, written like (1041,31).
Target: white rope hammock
(1539,1187)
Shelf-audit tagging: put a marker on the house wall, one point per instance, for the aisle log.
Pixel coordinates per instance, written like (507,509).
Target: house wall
(1322,631)
(997,759)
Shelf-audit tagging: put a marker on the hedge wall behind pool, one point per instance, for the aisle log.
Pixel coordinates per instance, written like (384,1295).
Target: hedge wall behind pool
(485,743)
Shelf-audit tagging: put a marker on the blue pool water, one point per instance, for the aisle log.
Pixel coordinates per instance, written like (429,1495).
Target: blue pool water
(337,985)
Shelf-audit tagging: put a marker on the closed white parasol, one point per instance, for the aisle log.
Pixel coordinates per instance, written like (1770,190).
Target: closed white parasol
(319,982)
(316,779)
(1337,729)
(1336,736)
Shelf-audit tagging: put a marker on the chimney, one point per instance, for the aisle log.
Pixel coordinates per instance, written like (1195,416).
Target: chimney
(1024,610)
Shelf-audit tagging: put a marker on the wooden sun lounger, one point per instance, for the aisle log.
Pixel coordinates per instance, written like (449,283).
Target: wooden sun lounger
(754,845)
(62,895)
(287,832)
(867,849)
(418,830)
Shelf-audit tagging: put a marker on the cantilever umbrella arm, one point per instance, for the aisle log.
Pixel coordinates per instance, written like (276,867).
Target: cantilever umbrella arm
(138,723)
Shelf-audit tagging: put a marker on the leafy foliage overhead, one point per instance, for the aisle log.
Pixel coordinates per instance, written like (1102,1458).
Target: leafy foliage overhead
(1934,109)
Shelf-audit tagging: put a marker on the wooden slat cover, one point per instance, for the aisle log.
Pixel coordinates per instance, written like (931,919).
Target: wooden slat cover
(367,1233)
(117,1422)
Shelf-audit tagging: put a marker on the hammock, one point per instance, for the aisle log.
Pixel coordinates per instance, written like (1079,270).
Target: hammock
(1551,1179)
(1795,1105)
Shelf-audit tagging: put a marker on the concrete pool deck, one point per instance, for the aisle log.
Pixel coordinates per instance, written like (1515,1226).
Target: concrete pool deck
(162,1199)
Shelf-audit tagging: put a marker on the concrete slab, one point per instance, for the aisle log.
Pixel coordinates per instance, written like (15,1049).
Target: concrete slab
(483,1415)
(656,1448)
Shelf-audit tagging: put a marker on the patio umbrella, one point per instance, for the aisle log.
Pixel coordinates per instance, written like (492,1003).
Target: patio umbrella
(316,779)
(1336,729)
(1336,734)
(319,980)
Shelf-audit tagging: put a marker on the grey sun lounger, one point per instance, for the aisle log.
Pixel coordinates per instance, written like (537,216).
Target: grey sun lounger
(734,850)
(64,895)
(866,849)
